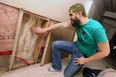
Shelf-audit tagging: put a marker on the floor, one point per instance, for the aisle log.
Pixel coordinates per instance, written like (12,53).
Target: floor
(41,71)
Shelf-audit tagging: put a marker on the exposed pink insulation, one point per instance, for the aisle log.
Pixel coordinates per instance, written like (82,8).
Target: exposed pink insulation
(8,23)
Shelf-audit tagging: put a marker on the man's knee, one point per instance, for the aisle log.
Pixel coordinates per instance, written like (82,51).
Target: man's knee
(56,43)
(67,74)
(70,72)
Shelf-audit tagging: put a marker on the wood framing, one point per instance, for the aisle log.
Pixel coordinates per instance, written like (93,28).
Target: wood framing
(30,48)
(46,58)
(16,37)
(39,41)
(29,44)
(8,23)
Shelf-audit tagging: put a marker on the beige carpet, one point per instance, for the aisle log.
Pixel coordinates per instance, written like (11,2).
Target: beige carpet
(41,71)
(35,71)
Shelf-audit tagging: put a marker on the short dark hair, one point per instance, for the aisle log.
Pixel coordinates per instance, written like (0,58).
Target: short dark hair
(76,8)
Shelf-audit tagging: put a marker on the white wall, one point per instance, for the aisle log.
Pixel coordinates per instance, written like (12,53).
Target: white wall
(54,9)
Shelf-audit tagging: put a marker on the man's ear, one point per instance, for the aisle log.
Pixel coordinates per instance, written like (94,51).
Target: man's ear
(80,13)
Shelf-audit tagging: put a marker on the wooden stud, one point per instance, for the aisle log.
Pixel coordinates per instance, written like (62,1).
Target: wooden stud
(39,42)
(16,38)
(47,50)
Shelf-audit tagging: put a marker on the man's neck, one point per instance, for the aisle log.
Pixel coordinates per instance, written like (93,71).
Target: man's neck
(84,20)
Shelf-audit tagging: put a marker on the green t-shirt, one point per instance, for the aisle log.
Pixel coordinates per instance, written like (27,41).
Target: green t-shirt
(89,35)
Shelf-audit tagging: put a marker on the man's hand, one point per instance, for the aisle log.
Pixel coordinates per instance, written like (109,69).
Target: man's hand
(81,60)
(37,30)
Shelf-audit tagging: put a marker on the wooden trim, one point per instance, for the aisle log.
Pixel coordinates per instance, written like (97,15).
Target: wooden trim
(110,22)
(34,14)
(16,38)
(9,5)
(110,14)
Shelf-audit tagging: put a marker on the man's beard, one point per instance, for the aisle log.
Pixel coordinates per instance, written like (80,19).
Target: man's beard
(75,21)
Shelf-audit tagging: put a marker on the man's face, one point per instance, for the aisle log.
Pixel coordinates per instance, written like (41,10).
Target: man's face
(74,18)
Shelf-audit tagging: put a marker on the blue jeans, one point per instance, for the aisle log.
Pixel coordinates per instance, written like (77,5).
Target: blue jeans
(70,47)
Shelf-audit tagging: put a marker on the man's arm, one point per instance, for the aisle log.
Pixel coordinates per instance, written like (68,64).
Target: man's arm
(104,51)
(58,26)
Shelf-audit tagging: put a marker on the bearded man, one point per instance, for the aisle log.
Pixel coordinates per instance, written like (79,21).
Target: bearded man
(92,43)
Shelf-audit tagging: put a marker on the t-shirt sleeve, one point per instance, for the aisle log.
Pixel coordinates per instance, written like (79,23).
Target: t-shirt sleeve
(100,35)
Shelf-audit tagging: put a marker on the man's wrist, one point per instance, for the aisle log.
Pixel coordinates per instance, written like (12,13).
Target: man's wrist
(87,60)
(44,30)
